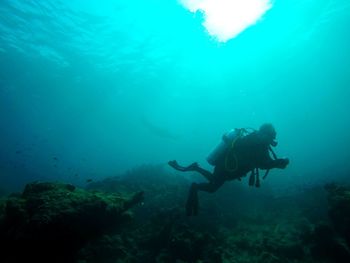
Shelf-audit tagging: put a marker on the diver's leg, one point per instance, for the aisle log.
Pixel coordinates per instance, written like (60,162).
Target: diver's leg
(192,200)
(208,175)
(212,186)
(217,179)
(194,167)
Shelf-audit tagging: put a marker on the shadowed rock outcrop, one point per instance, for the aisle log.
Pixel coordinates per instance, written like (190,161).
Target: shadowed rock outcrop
(52,221)
(339,209)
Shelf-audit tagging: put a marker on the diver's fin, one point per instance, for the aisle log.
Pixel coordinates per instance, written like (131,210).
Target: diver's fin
(192,201)
(176,166)
(252,178)
(189,207)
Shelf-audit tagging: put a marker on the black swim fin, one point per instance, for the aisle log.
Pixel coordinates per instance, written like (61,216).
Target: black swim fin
(176,166)
(192,201)
(252,179)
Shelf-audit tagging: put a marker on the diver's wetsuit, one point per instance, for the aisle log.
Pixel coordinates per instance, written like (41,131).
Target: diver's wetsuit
(249,152)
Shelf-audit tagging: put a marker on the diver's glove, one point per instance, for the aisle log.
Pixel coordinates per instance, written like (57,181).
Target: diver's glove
(282,163)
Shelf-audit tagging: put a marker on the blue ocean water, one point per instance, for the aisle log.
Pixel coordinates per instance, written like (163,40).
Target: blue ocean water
(89,89)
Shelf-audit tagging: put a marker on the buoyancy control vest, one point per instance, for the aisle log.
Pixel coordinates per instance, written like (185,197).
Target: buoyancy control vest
(225,150)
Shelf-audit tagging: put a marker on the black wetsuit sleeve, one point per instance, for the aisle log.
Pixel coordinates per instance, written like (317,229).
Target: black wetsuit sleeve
(264,160)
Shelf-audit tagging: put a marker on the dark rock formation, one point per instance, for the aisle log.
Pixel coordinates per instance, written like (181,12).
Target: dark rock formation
(339,209)
(50,221)
(327,246)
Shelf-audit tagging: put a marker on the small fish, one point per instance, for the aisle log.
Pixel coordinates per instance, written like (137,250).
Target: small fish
(18,152)
(55,158)
(89,180)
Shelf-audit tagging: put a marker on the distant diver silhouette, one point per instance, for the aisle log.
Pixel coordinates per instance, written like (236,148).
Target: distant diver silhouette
(238,153)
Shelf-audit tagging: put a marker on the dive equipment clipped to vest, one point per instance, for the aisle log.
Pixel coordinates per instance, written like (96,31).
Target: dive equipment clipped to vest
(254,178)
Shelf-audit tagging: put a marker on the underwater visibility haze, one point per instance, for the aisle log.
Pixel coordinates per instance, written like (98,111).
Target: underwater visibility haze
(96,97)
(93,88)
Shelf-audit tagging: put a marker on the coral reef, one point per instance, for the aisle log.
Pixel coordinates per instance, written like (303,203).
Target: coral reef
(58,219)
(163,190)
(339,209)
(62,223)
(239,227)
(327,246)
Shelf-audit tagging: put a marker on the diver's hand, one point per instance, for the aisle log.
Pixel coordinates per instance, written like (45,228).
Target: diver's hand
(282,163)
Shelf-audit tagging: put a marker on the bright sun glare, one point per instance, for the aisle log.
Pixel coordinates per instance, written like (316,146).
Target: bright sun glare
(225,19)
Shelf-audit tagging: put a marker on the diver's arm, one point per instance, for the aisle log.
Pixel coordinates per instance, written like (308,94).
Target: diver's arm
(266,162)
(280,163)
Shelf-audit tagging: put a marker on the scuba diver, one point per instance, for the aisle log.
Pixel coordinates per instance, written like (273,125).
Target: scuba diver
(238,153)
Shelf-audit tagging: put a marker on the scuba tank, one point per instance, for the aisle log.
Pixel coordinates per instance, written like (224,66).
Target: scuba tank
(221,148)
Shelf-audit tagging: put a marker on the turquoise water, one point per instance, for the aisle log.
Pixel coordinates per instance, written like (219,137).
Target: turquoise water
(90,89)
